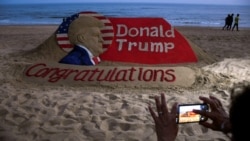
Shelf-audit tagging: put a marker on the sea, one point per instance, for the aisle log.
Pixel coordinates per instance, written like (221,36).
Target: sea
(175,14)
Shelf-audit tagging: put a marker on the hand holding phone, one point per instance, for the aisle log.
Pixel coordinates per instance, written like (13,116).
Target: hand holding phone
(185,113)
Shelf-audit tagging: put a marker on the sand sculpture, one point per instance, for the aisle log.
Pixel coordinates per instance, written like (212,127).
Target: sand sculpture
(53,63)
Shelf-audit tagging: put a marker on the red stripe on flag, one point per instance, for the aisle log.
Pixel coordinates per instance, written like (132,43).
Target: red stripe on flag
(108,24)
(62,38)
(107,31)
(108,38)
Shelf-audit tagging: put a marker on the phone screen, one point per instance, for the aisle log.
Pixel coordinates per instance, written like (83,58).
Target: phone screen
(186,114)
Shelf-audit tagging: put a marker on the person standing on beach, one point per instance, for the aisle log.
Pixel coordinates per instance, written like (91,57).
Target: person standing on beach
(227,21)
(230,21)
(236,22)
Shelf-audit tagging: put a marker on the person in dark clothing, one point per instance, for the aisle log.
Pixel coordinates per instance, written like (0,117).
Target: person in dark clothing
(230,22)
(227,22)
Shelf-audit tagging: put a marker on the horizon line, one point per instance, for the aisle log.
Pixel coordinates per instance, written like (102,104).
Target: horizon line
(121,2)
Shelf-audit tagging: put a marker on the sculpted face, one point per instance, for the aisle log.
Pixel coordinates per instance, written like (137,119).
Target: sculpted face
(92,40)
(86,31)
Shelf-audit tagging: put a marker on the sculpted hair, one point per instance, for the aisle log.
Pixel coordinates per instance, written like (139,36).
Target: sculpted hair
(82,25)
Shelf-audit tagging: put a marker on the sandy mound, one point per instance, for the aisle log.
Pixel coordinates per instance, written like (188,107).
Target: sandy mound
(35,112)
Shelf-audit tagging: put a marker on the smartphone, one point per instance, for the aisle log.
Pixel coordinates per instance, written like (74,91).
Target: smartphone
(185,113)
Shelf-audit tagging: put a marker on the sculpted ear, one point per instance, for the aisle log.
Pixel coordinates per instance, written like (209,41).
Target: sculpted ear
(81,38)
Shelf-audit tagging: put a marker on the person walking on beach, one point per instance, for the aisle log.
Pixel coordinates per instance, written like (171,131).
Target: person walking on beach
(236,22)
(230,21)
(227,22)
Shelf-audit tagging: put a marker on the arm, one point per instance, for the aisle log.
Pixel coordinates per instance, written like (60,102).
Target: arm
(165,123)
(218,115)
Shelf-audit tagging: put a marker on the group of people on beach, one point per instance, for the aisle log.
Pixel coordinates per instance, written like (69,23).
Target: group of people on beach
(229,22)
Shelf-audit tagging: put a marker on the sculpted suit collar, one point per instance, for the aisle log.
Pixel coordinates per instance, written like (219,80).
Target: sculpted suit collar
(80,55)
(94,60)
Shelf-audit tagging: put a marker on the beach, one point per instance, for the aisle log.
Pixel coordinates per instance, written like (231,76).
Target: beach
(39,112)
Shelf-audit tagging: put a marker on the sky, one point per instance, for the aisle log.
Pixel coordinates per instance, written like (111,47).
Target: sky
(227,2)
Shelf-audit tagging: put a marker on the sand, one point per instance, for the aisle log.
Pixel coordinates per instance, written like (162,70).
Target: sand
(37,112)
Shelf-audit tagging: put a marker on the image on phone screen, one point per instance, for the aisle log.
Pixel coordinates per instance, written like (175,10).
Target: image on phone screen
(186,114)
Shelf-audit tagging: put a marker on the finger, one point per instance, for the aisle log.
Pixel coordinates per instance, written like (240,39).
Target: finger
(174,109)
(217,100)
(208,101)
(164,105)
(158,105)
(205,99)
(152,113)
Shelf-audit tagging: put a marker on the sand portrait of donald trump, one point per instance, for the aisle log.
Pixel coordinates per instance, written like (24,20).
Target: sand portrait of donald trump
(85,34)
